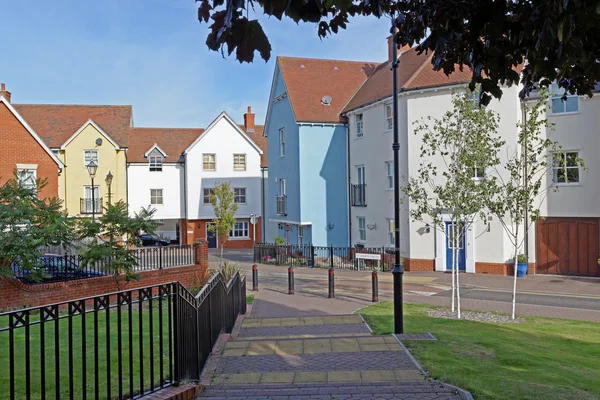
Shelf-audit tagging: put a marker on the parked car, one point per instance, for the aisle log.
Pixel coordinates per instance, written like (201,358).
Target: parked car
(149,240)
(54,267)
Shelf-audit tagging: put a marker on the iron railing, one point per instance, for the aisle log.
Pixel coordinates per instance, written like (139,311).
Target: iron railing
(118,345)
(150,258)
(282,205)
(89,206)
(358,195)
(322,257)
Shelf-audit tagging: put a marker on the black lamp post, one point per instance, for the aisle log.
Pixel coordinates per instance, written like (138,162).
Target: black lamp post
(109,178)
(398,271)
(92,167)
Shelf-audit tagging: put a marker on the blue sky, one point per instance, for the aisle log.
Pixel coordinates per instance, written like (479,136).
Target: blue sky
(152,54)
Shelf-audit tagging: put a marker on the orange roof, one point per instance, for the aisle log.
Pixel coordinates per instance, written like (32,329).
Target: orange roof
(307,80)
(55,124)
(261,141)
(172,141)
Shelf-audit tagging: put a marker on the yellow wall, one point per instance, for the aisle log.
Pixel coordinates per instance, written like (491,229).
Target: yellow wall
(75,175)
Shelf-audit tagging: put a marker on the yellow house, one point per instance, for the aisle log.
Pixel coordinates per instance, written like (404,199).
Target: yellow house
(78,135)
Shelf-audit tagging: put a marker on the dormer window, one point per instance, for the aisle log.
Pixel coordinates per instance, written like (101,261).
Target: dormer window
(156,162)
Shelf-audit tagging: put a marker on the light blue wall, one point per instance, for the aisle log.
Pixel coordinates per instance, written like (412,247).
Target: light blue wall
(287,167)
(323,183)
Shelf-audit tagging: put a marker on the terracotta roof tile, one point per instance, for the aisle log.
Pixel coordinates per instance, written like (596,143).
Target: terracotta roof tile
(173,141)
(307,80)
(261,141)
(57,123)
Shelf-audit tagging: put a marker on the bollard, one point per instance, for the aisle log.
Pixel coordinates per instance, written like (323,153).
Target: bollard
(375,285)
(255,278)
(331,283)
(290,280)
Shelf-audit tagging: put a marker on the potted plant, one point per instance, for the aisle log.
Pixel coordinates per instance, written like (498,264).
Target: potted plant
(521,265)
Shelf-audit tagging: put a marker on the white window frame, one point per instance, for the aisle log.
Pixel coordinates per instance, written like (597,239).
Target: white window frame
(239,162)
(282,187)
(475,175)
(281,142)
(362,229)
(359,123)
(96,190)
(159,194)
(155,163)
(206,161)
(390,236)
(300,235)
(389,170)
(361,177)
(86,161)
(204,195)
(557,94)
(389,119)
(565,167)
(238,196)
(21,172)
(241,230)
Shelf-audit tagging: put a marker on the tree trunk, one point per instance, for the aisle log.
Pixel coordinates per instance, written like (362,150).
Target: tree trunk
(457,232)
(222,244)
(515,263)
(453,264)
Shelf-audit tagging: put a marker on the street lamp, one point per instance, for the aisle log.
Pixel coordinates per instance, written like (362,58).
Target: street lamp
(398,271)
(92,167)
(109,178)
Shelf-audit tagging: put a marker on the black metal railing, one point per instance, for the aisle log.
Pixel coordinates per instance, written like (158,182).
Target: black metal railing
(118,345)
(150,258)
(282,205)
(323,257)
(358,195)
(89,206)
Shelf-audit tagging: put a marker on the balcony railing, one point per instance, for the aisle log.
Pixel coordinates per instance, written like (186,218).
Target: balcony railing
(282,205)
(88,206)
(358,195)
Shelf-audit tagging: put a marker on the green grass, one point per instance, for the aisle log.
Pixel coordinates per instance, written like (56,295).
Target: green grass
(541,358)
(250,298)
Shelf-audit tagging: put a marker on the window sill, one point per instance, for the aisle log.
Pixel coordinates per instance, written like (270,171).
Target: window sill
(564,113)
(389,189)
(359,137)
(238,238)
(388,130)
(567,184)
(209,170)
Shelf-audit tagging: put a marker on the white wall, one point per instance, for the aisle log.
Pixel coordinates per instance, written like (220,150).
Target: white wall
(224,140)
(140,180)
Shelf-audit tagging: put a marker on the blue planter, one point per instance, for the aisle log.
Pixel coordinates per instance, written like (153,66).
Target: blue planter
(521,270)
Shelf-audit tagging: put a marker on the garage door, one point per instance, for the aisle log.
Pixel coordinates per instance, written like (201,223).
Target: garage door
(567,246)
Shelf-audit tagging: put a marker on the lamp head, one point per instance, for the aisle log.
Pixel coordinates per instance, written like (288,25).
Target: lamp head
(109,178)
(92,168)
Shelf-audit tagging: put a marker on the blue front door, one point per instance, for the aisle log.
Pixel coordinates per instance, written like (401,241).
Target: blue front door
(211,238)
(460,246)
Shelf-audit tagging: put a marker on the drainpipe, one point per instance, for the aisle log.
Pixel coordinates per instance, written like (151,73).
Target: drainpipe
(348,185)
(126,180)
(262,205)
(185,208)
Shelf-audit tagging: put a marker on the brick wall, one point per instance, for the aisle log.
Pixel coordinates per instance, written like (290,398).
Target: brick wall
(418,264)
(15,294)
(19,147)
(198,227)
(499,269)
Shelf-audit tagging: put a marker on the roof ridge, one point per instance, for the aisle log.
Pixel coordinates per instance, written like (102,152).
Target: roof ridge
(327,59)
(418,70)
(153,127)
(73,105)
(361,85)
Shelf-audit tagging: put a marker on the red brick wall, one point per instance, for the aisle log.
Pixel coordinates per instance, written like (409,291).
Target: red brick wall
(418,264)
(19,147)
(499,269)
(15,294)
(198,227)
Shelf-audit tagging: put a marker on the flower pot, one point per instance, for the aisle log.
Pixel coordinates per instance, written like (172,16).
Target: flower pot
(521,270)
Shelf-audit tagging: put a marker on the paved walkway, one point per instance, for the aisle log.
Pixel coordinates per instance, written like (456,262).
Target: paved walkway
(324,356)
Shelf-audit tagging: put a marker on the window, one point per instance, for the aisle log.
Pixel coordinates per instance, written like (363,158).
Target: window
(239,162)
(239,195)
(209,162)
(359,125)
(565,167)
(390,234)
(281,143)
(560,106)
(156,163)
(156,196)
(389,167)
(282,187)
(478,173)
(360,172)
(89,155)
(27,178)
(300,234)
(362,229)
(389,117)
(206,194)
(240,230)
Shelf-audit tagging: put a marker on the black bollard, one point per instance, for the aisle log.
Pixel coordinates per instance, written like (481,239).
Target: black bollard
(375,284)
(290,280)
(331,283)
(255,278)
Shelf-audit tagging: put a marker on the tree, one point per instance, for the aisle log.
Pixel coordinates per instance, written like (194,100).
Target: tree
(522,179)
(224,206)
(28,224)
(490,37)
(457,150)
(112,235)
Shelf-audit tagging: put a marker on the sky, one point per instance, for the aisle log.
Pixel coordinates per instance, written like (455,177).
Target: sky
(152,55)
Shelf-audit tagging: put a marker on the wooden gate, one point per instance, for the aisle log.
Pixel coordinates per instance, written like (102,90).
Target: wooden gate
(567,246)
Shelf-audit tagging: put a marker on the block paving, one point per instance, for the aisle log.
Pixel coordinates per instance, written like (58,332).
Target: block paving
(333,357)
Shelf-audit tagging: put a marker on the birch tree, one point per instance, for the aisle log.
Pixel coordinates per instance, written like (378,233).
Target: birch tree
(456,152)
(222,199)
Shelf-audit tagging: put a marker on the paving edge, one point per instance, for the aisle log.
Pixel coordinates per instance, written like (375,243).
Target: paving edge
(179,392)
(213,360)
(365,322)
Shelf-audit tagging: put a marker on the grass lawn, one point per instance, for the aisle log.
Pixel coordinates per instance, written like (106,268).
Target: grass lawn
(542,358)
(250,298)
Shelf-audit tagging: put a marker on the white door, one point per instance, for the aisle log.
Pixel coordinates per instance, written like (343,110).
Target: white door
(87,195)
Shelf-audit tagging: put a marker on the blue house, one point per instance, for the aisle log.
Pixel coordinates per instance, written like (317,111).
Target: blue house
(307,149)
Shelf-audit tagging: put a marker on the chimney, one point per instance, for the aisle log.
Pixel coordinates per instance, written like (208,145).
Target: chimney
(403,49)
(249,120)
(4,93)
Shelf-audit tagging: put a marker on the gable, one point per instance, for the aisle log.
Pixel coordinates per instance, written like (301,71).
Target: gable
(87,129)
(171,141)
(155,152)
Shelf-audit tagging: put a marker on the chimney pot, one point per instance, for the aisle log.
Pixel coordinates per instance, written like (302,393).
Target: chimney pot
(249,120)
(4,92)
